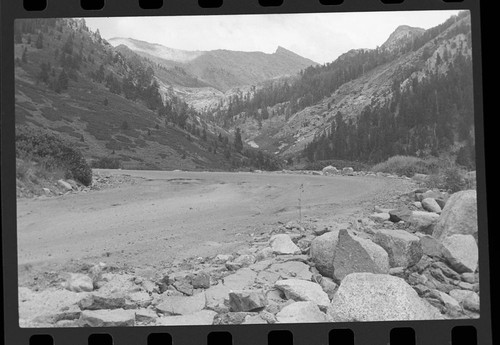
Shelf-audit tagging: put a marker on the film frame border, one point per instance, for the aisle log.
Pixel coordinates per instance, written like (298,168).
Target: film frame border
(427,332)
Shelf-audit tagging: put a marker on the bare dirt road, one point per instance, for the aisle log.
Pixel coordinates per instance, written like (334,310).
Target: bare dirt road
(174,215)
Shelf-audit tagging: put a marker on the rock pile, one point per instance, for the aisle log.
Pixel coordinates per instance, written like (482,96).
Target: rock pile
(413,263)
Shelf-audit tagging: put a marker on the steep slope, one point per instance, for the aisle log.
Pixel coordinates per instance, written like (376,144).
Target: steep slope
(221,69)
(363,81)
(71,82)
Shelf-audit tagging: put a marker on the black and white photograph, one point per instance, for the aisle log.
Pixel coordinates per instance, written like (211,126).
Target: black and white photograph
(245,169)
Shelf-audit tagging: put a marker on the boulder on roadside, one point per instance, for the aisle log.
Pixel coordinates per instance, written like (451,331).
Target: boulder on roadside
(302,290)
(356,254)
(423,222)
(459,216)
(247,300)
(301,312)
(107,318)
(323,251)
(378,297)
(403,248)
(283,244)
(431,205)
(330,170)
(461,252)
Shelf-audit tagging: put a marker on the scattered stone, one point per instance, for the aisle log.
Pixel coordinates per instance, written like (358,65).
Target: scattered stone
(469,277)
(282,244)
(64,185)
(244,260)
(328,286)
(184,286)
(423,222)
(402,214)
(203,317)
(145,316)
(291,269)
(459,216)
(301,290)
(217,298)
(431,205)
(449,302)
(448,272)
(380,217)
(397,271)
(246,300)
(78,282)
(323,251)
(181,305)
(467,299)
(254,320)
(403,248)
(107,318)
(356,254)
(223,258)
(100,300)
(347,171)
(140,298)
(301,312)
(264,254)
(242,279)
(461,252)
(378,297)
(201,280)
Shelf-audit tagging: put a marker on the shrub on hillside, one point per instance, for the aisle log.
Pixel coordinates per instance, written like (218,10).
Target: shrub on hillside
(107,163)
(52,153)
(407,165)
(450,178)
(337,163)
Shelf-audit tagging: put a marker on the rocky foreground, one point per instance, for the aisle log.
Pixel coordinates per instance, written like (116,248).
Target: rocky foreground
(417,262)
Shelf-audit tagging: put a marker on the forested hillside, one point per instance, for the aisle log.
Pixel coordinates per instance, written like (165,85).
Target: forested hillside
(73,84)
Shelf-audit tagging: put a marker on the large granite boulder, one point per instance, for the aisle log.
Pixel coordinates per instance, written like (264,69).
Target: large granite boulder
(459,216)
(378,297)
(356,254)
(403,248)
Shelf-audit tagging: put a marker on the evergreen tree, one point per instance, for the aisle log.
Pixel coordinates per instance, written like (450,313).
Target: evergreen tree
(238,143)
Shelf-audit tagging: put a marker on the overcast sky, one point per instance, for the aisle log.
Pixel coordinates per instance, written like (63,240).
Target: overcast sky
(319,37)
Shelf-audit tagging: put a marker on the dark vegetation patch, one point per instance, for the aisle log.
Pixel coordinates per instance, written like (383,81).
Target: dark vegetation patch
(49,154)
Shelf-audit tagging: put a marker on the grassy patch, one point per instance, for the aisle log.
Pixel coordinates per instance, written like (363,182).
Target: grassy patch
(408,166)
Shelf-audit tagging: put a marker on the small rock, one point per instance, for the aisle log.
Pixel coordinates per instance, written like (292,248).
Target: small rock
(203,317)
(145,316)
(244,260)
(107,318)
(246,300)
(403,248)
(201,280)
(301,312)
(422,221)
(301,290)
(467,299)
(380,217)
(78,282)
(430,204)
(181,305)
(402,214)
(64,185)
(282,244)
(254,320)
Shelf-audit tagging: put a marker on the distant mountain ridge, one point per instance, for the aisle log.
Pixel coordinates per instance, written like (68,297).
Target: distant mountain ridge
(222,69)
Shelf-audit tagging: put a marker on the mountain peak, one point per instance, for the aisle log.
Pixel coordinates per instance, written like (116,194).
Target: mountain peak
(401,35)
